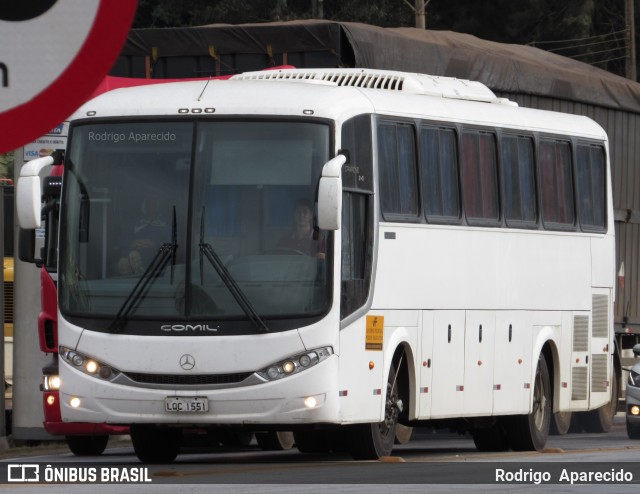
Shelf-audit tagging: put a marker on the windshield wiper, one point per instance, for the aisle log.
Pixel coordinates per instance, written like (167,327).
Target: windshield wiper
(166,252)
(206,250)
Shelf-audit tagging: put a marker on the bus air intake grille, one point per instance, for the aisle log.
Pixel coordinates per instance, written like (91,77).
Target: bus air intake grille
(188,380)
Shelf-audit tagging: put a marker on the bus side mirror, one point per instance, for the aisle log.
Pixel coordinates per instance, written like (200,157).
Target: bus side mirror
(330,194)
(27,246)
(636,350)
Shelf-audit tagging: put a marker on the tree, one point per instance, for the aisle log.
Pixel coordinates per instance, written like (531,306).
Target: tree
(6,165)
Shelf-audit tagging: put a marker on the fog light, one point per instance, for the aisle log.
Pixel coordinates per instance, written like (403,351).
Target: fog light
(305,361)
(91,367)
(54,382)
(634,410)
(310,402)
(51,399)
(74,402)
(77,360)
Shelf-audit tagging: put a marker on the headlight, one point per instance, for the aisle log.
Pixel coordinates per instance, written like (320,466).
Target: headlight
(50,383)
(634,378)
(88,365)
(295,364)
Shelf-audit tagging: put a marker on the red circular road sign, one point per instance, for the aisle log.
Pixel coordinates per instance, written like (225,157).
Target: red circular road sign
(53,54)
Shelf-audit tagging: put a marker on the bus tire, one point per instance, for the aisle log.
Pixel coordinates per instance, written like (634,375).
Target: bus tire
(403,434)
(601,419)
(529,432)
(87,445)
(492,438)
(560,423)
(153,444)
(275,440)
(373,441)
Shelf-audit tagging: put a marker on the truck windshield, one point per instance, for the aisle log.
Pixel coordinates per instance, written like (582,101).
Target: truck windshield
(222,211)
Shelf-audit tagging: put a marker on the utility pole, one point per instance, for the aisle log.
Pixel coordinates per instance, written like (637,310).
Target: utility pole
(420,9)
(629,12)
(421,17)
(317,9)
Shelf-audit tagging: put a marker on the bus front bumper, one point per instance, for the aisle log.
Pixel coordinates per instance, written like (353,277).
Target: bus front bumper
(305,398)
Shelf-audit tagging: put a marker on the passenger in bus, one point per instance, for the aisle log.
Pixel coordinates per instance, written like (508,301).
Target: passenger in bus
(145,237)
(304,238)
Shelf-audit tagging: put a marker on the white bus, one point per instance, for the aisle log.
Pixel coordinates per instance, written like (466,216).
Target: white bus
(333,253)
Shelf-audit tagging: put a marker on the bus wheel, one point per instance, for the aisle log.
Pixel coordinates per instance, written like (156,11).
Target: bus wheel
(560,423)
(601,419)
(87,445)
(530,432)
(275,441)
(154,444)
(373,441)
(403,434)
(492,438)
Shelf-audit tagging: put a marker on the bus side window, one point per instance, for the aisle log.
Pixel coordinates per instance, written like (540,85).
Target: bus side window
(556,184)
(439,164)
(479,177)
(591,187)
(518,176)
(398,175)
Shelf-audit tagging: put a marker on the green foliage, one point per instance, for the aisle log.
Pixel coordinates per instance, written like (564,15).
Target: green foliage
(6,165)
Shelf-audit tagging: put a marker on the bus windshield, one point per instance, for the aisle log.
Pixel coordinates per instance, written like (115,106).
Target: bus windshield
(168,223)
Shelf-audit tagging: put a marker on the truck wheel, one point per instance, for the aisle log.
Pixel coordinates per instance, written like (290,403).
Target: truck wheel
(155,444)
(87,445)
(530,432)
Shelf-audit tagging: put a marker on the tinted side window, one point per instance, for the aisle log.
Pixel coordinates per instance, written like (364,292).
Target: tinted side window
(397,162)
(439,163)
(556,183)
(479,177)
(518,176)
(591,187)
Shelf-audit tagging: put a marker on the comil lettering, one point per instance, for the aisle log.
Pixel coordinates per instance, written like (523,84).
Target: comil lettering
(181,328)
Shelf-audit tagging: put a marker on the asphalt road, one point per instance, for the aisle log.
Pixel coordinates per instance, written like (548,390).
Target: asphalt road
(431,462)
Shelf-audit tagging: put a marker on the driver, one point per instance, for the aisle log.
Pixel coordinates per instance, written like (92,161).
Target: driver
(304,237)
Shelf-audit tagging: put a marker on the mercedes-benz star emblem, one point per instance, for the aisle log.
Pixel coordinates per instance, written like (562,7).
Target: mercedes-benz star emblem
(187,362)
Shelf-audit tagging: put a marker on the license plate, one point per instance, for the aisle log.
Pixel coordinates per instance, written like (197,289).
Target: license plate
(186,404)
